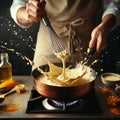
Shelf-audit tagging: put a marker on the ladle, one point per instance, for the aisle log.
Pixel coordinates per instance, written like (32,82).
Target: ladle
(18,88)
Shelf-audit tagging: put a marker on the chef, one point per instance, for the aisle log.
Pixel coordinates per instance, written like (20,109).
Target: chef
(81,24)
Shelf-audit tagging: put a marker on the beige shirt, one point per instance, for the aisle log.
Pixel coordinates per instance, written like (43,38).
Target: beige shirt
(66,16)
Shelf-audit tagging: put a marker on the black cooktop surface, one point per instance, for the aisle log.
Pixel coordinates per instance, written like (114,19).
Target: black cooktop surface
(87,105)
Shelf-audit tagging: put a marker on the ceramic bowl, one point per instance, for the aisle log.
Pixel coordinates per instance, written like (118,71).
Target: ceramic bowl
(110,79)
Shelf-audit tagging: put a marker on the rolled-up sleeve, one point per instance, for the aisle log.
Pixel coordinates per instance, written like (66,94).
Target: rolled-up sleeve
(112,7)
(14,8)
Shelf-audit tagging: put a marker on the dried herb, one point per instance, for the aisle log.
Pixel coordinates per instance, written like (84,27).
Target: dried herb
(10,108)
(112,99)
(115,111)
(106,90)
(10,83)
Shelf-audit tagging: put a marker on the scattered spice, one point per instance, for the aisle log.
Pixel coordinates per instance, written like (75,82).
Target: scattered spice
(106,90)
(112,100)
(10,83)
(115,111)
(9,100)
(10,108)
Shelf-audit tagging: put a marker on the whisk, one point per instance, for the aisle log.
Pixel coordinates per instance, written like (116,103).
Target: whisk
(57,43)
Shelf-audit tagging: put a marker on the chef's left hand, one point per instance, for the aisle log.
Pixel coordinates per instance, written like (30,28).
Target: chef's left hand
(98,39)
(100,33)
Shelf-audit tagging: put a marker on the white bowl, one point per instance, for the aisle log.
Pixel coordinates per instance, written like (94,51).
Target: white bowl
(110,79)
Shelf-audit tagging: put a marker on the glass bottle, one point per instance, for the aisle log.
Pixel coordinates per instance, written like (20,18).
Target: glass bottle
(5,68)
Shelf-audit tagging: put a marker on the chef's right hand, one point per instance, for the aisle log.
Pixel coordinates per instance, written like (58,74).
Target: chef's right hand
(35,10)
(32,13)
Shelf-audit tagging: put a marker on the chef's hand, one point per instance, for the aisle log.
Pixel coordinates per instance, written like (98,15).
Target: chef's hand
(35,10)
(32,13)
(100,33)
(98,39)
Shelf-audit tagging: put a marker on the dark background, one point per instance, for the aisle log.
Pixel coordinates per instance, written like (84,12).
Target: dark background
(23,42)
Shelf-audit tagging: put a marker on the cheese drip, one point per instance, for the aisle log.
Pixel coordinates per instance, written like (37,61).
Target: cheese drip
(63,57)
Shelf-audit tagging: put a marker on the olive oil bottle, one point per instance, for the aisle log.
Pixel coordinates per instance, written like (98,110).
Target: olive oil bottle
(5,68)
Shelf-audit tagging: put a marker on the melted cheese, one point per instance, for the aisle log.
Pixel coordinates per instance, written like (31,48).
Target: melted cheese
(63,57)
(63,76)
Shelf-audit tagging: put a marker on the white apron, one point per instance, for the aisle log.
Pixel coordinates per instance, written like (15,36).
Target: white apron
(66,17)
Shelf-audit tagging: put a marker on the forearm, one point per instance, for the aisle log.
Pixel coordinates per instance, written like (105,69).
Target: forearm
(111,12)
(108,21)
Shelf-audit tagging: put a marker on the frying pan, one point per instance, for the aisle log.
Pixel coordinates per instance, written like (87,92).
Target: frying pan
(60,93)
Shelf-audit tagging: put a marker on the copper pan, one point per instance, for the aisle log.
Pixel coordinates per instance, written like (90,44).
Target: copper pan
(62,93)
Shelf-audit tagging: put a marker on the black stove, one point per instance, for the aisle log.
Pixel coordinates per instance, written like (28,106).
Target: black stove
(88,104)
